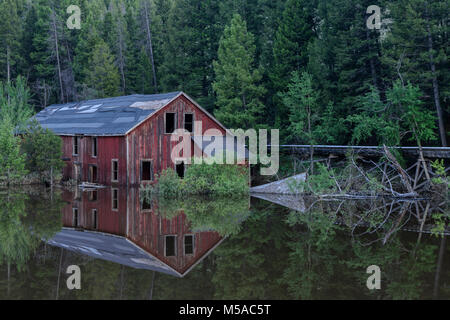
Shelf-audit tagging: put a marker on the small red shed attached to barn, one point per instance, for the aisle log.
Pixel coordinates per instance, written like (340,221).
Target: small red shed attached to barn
(124,140)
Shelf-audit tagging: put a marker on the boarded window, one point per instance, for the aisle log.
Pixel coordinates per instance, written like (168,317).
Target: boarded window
(170,246)
(115,170)
(189,122)
(75,217)
(94,219)
(179,168)
(115,199)
(75,145)
(170,122)
(188,244)
(94,146)
(146,170)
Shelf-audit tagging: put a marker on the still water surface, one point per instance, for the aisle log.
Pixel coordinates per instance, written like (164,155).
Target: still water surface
(131,247)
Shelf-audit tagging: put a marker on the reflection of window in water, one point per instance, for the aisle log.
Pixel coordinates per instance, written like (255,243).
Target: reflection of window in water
(189,244)
(115,199)
(94,219)
(75,217)
(170,246)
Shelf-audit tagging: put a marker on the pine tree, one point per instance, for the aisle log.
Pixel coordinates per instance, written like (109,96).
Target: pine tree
(102,74)
(11,28)
(189,49)
(237,80)
(416,49)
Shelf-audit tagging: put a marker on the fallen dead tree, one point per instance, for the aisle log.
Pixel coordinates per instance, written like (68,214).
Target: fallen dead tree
(361,178)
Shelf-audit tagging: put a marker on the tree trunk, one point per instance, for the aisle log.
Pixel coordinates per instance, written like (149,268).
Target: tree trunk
(437,103)
(8,64)
(121,53)
(149,39)
(55,34)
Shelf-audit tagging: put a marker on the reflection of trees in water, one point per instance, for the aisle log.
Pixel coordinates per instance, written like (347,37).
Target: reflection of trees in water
(275,253)
(325,262)
(223,215)
(25,219)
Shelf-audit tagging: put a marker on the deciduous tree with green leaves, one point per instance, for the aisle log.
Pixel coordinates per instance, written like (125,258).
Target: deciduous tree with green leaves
(43,151)
(12,161)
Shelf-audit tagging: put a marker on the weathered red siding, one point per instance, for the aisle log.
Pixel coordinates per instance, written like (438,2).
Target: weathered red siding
(148,140)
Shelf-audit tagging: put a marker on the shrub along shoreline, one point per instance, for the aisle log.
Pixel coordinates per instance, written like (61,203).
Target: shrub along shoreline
(202,179)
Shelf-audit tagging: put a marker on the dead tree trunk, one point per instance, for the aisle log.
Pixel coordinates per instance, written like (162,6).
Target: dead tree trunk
(149,41)
(121,51)
(437,103)
(8,64)
(54,29)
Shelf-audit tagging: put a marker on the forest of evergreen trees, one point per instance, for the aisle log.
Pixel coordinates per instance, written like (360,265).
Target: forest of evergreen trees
(310,68)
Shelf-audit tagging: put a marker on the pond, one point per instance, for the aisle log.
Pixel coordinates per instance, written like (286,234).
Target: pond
(128,246)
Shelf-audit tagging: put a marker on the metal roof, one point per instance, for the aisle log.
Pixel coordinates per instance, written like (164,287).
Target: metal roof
(108,116)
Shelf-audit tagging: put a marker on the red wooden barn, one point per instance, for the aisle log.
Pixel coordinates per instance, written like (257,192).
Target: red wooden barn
(124,140)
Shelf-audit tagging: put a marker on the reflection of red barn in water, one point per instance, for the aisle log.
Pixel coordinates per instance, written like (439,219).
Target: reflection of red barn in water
(118,227)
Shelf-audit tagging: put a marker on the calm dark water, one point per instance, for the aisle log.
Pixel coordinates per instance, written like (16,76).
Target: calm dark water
(131,247)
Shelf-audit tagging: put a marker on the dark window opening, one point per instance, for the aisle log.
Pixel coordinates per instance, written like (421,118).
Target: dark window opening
(189,244)
(170,246)
(189,122)
(75,146)
(92,174)
(94,147)
(115,199)
(170,122)
(115,170)
(93,195)
(179,168)
(94,219)
(146,204)
(146,171)
(75,217)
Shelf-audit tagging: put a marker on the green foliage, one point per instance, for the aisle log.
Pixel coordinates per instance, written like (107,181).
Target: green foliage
(12,162)
(217,179)
(235,58)
(238,92)
(322,181)
(43,150)
(169,184)
(102,74)
(14,102)
(416,119)
(202,179)
(439,168)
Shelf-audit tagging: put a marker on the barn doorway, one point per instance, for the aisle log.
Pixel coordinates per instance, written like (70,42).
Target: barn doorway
(93,174)
(179,168)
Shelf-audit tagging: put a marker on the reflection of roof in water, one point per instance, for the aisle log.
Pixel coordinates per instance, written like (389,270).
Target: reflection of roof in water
(111,248)
(131,235)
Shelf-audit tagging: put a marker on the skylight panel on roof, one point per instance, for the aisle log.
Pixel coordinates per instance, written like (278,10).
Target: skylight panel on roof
(92,109)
